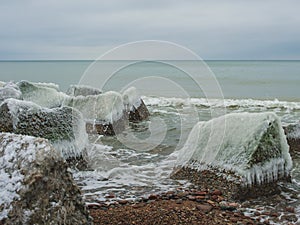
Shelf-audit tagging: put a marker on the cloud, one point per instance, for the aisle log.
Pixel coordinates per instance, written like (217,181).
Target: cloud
(214,29)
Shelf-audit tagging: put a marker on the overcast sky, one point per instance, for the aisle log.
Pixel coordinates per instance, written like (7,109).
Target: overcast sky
(85,29)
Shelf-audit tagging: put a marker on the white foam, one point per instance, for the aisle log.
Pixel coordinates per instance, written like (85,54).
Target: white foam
(268,104)
(208,145)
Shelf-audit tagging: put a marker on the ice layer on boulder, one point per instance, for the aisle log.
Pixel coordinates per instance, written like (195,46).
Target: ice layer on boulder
(253,146)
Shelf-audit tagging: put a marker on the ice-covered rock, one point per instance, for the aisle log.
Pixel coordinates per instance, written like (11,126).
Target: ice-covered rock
(82,90)
(43,94)
(64,127)
(134,105)
(104,113)
(2,83)
(292,132)
(247,159)
(35,184)
(9,90)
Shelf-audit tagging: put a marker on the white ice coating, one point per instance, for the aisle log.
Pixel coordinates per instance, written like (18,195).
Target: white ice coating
(106,107)
(208,146)
(83,90)
(294,132)
(2,83)
(43,94)
(131,98)
(17,152)
(47,85)
(10,90)
(67,148)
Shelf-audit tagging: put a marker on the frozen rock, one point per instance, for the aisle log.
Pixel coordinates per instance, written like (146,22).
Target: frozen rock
(64,127)
(134,105)
(2,83)
(44,94)
(82,90)
(246,160)
(9,90)
(104,113)
(292,132)
(35,184)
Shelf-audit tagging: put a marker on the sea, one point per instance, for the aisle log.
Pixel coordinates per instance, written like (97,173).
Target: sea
(178,94)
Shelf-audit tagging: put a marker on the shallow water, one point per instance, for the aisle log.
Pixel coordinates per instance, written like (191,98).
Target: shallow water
(130,173)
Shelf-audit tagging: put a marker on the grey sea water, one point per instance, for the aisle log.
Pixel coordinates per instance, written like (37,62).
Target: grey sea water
(247,86)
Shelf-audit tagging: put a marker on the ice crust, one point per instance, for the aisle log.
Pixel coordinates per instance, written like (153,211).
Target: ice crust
(44,94)
(9,90)
(16,153)
(253,146)
(69,144)
(107,107)
(131,98)
(82,90)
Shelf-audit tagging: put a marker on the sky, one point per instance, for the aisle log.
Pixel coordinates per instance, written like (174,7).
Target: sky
(85,29)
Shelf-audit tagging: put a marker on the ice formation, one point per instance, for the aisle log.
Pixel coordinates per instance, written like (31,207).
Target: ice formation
(64,126)
(35,184)
(14,155)
(131,98)
(293,131)
(107,107)
(253,146)
(2,83)
(43,94)
(83,90)
(10,90)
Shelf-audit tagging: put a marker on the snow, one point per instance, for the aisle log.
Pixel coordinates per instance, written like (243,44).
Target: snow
(131,98)
(2,83)
(43,94)
(253,145)
(17,152)
(106,107)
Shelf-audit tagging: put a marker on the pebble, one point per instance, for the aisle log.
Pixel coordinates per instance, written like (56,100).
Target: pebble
(216,192)
(123,201)
(152,197)
(290,209)
(204,207)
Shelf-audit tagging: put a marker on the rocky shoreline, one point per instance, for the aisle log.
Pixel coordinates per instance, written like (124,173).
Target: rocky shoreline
(185,206)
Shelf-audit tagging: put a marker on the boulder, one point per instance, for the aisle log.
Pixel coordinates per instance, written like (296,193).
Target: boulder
(36,185)
(245,160)
(44,94)
(64,127)
(104,114)
(292,132)
(9,90)
(134,105)
(82,90)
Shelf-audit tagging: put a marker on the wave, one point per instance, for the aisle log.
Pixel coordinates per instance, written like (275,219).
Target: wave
(215,103)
